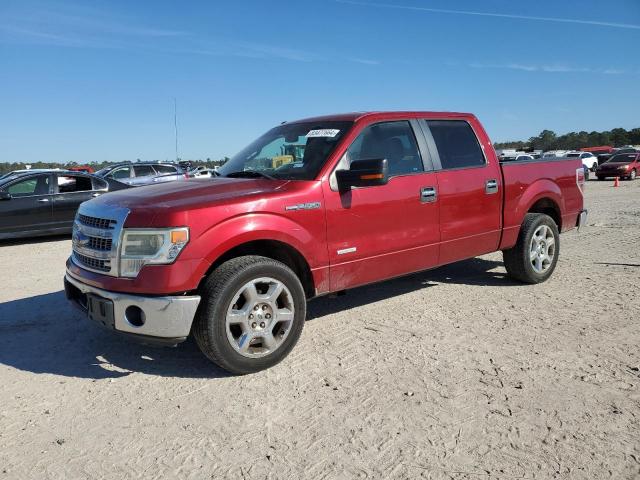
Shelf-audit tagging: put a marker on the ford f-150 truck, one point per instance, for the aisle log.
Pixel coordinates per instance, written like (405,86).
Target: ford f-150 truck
(365,197)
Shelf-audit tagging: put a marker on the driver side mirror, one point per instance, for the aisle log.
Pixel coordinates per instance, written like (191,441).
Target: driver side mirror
(5,196)
(364,173)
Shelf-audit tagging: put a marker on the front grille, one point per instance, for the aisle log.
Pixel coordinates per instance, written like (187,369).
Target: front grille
(102,244)
(95,222)
(93,263)
(96,236)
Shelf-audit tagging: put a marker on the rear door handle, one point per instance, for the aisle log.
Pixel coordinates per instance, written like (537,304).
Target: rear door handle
(428,194)
(43,200)
(491,186)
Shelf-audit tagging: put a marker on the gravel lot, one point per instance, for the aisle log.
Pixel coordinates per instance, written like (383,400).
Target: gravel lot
(452,373)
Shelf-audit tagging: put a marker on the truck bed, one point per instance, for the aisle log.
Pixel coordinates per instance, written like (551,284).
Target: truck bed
(526,180)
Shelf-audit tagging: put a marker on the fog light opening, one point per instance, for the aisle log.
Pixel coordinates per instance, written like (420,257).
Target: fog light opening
(135,316)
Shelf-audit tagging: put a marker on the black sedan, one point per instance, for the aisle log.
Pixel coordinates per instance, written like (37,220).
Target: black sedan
(45,202)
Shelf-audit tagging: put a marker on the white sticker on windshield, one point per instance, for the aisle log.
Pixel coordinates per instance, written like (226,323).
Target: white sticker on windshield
(325,132)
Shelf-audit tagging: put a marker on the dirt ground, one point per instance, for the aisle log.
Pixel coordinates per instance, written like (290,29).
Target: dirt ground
(453,373)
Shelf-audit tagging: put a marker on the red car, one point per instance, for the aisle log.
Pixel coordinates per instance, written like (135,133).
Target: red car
(623,165)
(363,197)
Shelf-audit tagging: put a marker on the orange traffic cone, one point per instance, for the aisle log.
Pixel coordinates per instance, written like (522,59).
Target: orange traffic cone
(616,182)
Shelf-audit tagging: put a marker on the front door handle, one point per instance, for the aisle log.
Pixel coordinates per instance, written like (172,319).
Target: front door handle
(491,186)
(43,200)
(428,194)
(95,195)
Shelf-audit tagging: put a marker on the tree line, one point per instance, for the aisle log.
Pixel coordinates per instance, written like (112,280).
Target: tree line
(9,167)
(548,140)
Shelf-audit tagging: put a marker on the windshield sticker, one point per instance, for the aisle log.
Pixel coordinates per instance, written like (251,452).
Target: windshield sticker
(325,132)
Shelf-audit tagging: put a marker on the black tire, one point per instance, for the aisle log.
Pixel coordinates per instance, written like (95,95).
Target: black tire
(517,259)
(601,178)
(218,290)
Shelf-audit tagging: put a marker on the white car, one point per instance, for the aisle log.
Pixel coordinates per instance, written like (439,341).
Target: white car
(589,160)
(554,154)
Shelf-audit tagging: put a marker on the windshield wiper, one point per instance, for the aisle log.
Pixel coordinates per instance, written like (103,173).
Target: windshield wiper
(249,174)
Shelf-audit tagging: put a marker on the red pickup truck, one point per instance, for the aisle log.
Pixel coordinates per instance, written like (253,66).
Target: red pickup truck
(312,207)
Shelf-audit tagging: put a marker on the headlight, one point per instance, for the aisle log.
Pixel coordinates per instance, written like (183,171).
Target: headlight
(145,246)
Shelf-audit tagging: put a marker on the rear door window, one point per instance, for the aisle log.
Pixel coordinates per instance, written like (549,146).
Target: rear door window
(73,183)
(143,170)
(164,169)
(457,144)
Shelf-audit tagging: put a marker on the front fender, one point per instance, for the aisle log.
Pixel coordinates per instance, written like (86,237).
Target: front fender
(308,240)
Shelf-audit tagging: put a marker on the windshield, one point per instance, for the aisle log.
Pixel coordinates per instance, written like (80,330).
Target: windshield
(628,158)
(294,151)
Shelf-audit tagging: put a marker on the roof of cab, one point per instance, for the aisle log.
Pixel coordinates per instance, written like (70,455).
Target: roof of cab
(355,116)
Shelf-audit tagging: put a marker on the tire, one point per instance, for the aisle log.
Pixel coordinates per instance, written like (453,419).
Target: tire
(244,347)
(601,178)
(519,260)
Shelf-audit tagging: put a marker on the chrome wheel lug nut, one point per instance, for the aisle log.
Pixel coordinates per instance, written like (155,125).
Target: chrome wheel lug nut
(250,316)
(256,307)
(262,325)
(254,325)
(267,316)
(264,307)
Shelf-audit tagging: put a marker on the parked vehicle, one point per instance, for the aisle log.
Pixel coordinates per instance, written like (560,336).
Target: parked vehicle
(599,150)
(554,154)
(44,202)
(373,196)
(32,170)
(623,165)
(82,168)
(605,157)
(203,173)
(589,160)
(143,173)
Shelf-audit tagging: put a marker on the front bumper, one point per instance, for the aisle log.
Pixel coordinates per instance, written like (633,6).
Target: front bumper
(163,320)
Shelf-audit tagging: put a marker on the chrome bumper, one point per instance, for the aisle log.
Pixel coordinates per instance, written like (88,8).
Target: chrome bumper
(164,320)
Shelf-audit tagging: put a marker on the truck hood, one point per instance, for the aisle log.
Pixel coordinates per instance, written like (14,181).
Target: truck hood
(190,194)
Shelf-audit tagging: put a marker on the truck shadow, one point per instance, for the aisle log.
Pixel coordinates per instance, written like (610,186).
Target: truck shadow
(30,240)
(44,334)
(475,271)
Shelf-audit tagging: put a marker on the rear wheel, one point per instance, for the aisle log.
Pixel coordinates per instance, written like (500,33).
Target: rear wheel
(252,313)
(535,255)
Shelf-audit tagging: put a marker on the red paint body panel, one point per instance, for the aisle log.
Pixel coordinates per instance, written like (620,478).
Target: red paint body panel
(392,231)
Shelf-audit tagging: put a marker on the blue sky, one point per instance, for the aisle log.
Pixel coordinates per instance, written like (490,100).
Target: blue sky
(83,81)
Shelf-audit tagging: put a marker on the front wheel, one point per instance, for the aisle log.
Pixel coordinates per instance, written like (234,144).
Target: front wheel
(252,312)
(535,254)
